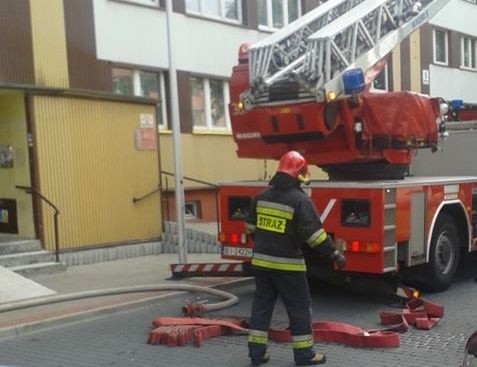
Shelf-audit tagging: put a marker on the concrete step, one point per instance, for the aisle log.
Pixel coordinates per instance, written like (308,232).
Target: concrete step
(13,246)
(31,270)
(25,258)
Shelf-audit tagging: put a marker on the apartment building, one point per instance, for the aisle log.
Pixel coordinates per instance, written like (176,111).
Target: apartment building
(84,91)
(84,83)
(206,36)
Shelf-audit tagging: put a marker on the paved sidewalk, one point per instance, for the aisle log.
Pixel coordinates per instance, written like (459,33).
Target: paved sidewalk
(147,270)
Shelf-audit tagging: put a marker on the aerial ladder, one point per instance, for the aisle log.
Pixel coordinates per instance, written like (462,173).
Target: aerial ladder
(314,51)
(306,87)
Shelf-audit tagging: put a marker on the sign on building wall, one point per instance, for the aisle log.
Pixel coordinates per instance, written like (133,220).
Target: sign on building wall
(145,136)
(425,77)
(6,156)
(146,120)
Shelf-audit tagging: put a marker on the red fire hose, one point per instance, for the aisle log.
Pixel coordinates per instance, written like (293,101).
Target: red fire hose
(422,314)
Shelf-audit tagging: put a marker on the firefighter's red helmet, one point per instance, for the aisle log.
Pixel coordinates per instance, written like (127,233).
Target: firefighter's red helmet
(293,164)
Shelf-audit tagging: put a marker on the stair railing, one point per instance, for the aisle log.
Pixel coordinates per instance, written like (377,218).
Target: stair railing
(31,190)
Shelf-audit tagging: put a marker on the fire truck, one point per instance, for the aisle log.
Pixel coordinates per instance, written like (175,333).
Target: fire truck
(307,88)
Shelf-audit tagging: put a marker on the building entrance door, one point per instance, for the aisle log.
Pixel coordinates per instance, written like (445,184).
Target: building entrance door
(16,207)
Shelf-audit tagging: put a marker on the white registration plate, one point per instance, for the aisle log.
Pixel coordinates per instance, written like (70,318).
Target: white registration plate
(236,251)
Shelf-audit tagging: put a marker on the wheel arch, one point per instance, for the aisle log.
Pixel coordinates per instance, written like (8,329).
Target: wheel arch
(456,210)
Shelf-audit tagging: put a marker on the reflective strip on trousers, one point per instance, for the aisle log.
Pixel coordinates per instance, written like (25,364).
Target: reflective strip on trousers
(302,341)
(258,337)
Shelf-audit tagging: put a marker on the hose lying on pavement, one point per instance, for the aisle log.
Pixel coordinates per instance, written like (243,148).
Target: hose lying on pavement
(190,309)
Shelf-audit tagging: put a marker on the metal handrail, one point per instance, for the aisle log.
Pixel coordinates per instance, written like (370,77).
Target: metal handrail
(204,183)
(191,179)
(31,190)
(159,188)
(135,200)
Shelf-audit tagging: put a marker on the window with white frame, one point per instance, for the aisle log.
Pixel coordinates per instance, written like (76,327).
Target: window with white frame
(274,14)
(192,209)
(468,52)
(228,10)
(440,47)
(154,3)
(134,82)
(209,100)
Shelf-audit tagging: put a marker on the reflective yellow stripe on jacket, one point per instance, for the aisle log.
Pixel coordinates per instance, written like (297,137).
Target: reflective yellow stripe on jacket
(275,209)
(317,238)
(278,263)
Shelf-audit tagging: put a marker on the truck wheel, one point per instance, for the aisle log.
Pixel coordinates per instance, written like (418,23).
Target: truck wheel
(444,255)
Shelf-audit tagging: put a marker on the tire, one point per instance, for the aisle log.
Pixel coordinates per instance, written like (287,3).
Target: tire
(444,255)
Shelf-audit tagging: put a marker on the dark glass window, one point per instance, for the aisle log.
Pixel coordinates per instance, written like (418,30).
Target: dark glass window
(355,213)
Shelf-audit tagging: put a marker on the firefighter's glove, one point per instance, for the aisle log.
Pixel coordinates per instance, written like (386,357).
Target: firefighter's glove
(338,258)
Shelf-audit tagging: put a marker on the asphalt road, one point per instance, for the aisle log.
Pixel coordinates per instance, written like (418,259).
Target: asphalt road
(120,339)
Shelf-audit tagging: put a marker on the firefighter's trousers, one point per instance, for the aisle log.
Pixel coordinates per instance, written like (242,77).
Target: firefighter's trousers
(293,289)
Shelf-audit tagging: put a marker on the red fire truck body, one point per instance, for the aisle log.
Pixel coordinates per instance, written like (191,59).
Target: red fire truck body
(306,88)
(383,226)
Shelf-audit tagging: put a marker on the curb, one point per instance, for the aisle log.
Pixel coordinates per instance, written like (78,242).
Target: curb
(19,330)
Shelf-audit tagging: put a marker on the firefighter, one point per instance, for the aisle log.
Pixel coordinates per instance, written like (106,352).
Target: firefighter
(281,219)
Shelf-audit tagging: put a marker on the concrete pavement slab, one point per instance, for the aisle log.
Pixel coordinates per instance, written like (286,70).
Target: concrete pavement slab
(14,287)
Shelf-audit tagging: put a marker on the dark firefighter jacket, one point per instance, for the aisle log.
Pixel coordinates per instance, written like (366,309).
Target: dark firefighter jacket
(281,219)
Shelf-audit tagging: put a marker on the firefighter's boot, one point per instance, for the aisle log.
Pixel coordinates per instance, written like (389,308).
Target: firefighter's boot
(263,359)
(317,359)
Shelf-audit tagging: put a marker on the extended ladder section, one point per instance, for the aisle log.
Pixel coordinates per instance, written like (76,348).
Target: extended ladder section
(283,52)
(360,38)
(318,48)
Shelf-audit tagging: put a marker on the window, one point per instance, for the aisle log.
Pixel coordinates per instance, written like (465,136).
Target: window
(274,14)
(229,10)
(239,207)
(355,213)
(217,106)
(149,84)
(209,98)
(133,82)
(198,102)
(380,83)
(440,47)
(123,81)
(192,209)
(468,52)
(154,3)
